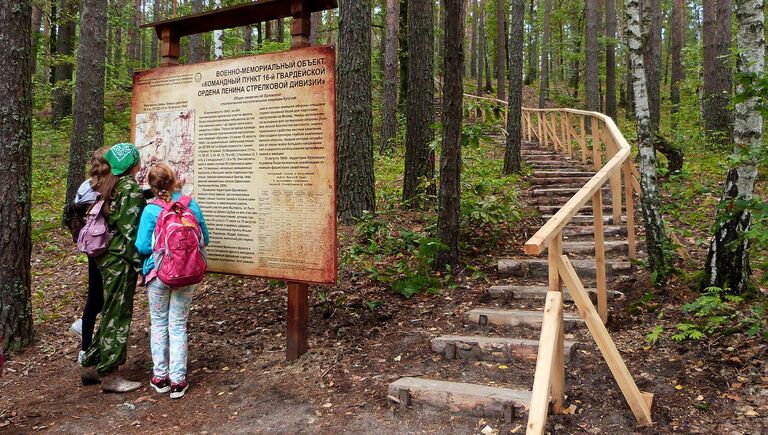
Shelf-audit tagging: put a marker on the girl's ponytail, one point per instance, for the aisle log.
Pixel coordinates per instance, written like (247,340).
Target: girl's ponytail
(162,180)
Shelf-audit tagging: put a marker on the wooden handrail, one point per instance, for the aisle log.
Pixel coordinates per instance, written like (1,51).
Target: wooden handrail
(618,169)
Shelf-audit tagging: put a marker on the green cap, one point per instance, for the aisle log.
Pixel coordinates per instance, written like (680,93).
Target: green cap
(122,157)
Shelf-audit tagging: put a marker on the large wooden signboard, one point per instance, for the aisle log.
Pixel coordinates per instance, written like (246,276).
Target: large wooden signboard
(253,139)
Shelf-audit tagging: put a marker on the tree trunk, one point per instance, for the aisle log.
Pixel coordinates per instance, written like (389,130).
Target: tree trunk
(355,191)
(133,42)
(196,40)
(15,174)
(591,61)
(727,263)
(577,58)
(280,30)
(88,118)
(403,57)
(419,157)
(247,38)
(512,155)
(533,44)
(677,31)
(610,59)
(448,215)
(473,48)
(486,55)
(314,31)
(501,49)
(52,43)
(480,49)
(117,55)
(218,37)
(655,236)
(155,17)
(717,71)
(61,103)
(629,109)
(651,15)
(37,19)
(389,125)
(544,88)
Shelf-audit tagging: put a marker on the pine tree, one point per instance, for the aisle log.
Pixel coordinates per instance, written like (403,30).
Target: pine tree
(448,230)
(15,174)
(512,154)
(354,173)
(716,35)
(389,124)
(419,157)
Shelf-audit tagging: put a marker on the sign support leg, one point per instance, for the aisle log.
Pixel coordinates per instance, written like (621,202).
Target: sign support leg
(298,315)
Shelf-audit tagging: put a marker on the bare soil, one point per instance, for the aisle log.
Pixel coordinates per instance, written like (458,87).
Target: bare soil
(241,383)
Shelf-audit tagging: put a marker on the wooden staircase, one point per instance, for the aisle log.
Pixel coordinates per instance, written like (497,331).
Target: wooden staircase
(522,304)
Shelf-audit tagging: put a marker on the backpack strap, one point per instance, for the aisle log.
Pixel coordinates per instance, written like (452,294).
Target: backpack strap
(185,200)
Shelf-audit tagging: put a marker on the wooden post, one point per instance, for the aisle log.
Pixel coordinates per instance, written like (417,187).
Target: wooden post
(639,402)
(615,178)
(602,286)
(554,251)
(629,200)
(563,135)
(530,127)
(298,293)
(551,327)
(583,142)
(170,47)
(542,137)
(597,160)
(568,140)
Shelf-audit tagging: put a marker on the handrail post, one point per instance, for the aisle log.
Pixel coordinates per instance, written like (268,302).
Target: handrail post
(629,200)
(542,140)
(615,180)
(583,136)
(568,139)
(600,278)
(554,251)
(530,127)
(596,159)
(563,136)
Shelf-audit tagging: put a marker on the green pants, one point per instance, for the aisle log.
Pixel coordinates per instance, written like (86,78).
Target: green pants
(110,345)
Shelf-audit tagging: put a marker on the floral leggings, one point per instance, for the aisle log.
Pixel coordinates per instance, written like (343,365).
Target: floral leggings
(169,312)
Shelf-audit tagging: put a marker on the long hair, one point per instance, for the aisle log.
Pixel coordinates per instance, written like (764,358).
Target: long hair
(162,180)
(100,169)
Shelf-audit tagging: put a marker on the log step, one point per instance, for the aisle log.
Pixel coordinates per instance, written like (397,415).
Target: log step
(588,231)
(538,268)
(560,181)
(476,400)
(618,247)
(496,349)
(583,219)
(562,174)
(565,192)
(523,318)
(538,293)
(552,209)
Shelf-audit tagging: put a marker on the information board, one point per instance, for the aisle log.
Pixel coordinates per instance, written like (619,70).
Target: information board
(253,139)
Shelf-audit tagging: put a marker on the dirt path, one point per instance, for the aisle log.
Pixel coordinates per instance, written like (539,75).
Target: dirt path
(241,383)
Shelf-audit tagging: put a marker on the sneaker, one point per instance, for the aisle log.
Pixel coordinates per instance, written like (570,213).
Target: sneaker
(80,357)
(77,328)
(178,390)
(161,385)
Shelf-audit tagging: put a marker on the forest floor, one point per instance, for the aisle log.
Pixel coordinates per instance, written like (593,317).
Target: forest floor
(241,383)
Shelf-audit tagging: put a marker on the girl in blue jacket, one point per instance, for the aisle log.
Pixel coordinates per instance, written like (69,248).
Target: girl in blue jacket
(168,307)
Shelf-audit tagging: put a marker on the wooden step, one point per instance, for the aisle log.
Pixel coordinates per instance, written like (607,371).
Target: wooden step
(584,219)
(536,268)
(588,231)
(562,174)
(537,293)
(617,247)
(551,209)
(531,158)
(562,192)
(523,318)
(560,181)
(496,349)
(476,400)
(555,165)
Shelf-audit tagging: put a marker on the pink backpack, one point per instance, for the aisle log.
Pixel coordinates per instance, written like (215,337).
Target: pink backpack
(178,246)
(94,237)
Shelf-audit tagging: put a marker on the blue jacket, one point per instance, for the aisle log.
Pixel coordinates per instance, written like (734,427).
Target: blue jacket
(147,229)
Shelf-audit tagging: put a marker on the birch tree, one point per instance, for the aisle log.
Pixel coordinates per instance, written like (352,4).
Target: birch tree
(218,37)
(727,264)
(655,236)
